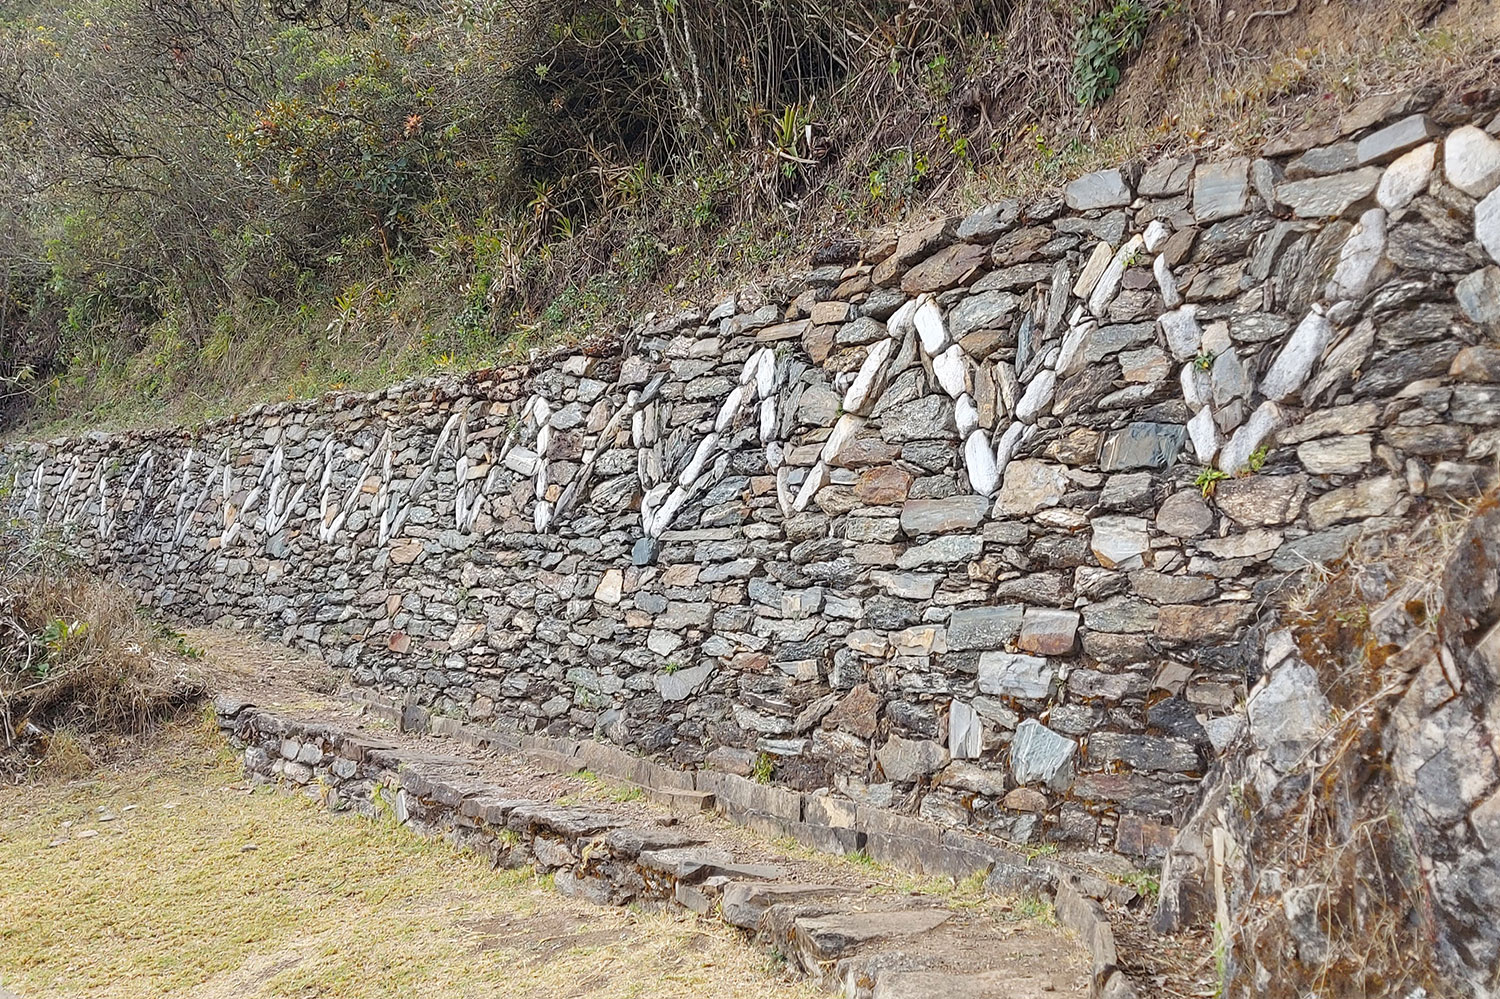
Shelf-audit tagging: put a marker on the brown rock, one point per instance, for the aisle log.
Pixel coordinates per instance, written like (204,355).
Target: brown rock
(944,269)
(914,245)
(1047,631)
(406,554)
(1476,364)
(886,485)
(1141,837)
(1199,623)
(858,712)
(1025,799)
(829,313)
(818,342)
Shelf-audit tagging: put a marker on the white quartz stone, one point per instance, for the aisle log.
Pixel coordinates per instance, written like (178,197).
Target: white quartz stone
(1471,161)
(930,326)
(1037,398)
(1406,178)
(1305,347)
(949,368)
(983,474)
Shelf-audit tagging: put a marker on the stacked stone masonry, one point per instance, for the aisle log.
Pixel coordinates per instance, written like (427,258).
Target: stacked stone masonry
(924,526)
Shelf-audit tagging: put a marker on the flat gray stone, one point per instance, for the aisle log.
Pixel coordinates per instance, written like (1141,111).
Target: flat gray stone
(949,550)
(1360,500)
(1100,189)
(978,628)
(936,516)
(1328,197)
(990,222)
(990,310)
(907,759)
(744,902)
(827,938)
(1142,445)
(1342,455)
(1221,190)
(1008,674)
(1387,143)
(1038,754)
(683,683)
(1167,176)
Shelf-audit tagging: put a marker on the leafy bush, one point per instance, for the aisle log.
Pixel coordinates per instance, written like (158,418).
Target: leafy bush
(1103,43)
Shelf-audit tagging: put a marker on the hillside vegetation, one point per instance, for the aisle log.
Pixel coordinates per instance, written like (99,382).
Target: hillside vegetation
(205,203)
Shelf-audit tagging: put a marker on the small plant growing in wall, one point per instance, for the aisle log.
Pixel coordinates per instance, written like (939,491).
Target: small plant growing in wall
(1208,480)
(1205,360)
(1257,459)
(672,666)
(765,768)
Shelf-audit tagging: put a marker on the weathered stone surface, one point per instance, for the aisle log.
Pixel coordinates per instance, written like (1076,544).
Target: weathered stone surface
(1478,295)
(1167,176)
(1471,161)
(957,513)
(1288,714)
(1184,514)
(1487,224)
(1221,190)
(1292,367)
(1406,178)
(908,759)
(1328,197)
(1370,498)
(979,628)
(1007,674)
(944,269)
(1262,499)
(1030,486)
(1120,542)
(1387,143)
(1047,631)
(1336,455)
(1101,189)
(1142,445)
(990,310)
(1040,755)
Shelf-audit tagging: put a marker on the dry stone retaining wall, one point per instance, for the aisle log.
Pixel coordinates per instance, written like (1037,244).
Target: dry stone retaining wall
(924,525)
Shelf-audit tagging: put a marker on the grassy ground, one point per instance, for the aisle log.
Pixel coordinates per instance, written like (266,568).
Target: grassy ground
(166,877)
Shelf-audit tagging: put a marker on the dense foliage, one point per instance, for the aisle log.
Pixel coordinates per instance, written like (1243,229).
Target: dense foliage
(429,175)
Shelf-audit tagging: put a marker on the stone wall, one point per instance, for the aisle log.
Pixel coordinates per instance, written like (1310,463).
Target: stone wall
(925,525)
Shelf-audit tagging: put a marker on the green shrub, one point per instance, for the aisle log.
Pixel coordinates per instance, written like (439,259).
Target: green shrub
(1103,43)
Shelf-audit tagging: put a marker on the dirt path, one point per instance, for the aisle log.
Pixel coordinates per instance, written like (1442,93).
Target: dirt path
(1010,947)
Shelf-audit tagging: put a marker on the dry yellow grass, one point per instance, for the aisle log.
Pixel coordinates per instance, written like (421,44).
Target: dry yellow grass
(198,888)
